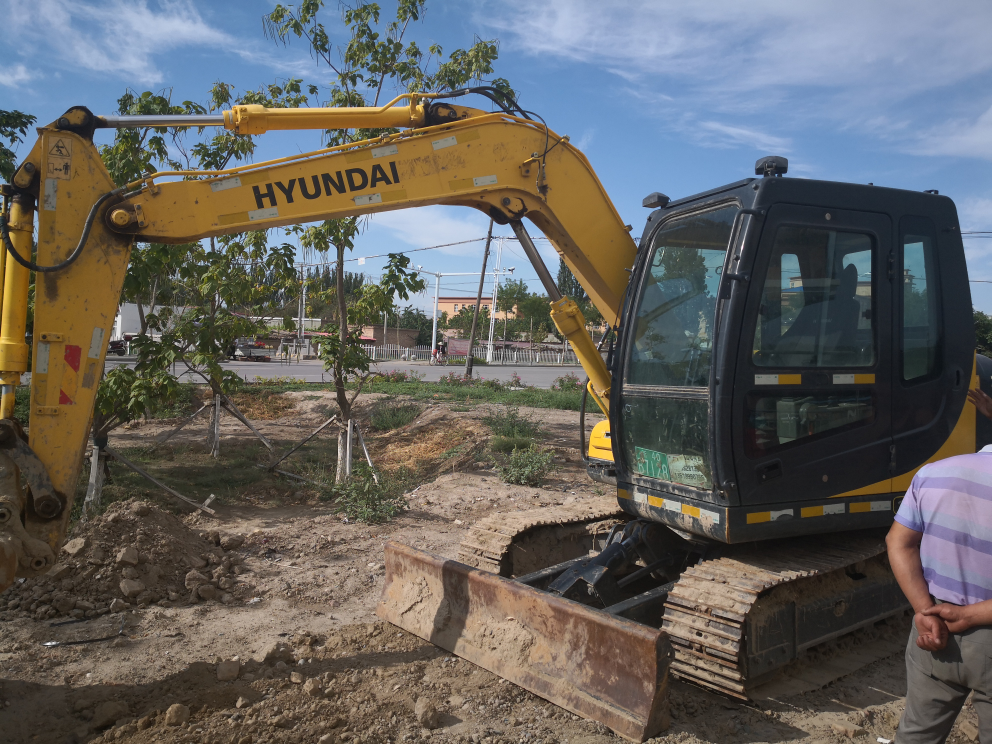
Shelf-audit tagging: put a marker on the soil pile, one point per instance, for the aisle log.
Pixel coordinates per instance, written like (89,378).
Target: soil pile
(134,554)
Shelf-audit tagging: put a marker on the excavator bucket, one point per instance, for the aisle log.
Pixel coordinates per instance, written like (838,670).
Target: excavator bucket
(591,663)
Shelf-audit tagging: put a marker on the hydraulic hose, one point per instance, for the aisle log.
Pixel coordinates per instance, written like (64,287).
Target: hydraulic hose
(87,226)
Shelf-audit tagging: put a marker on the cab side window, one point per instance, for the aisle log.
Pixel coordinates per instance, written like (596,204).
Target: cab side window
(921,337)
(816,303)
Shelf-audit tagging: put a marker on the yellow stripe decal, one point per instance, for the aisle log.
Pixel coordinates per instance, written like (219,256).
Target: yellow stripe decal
(692,511)
(861,507)
(623,493)
(812,511)
(655,501)
(758,517)
(790,379)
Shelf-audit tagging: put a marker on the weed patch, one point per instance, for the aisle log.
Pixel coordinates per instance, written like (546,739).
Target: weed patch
(526,467)
(508,422)
(508,444)
(263,404)
(567,382)
(364,500)
(387,414)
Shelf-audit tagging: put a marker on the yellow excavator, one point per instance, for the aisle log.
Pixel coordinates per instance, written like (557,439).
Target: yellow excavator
(788,353)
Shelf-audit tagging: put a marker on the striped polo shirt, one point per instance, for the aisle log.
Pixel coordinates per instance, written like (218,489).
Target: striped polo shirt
(950,502)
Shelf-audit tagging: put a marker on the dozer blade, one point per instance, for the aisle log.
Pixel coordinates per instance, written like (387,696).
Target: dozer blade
(600,667)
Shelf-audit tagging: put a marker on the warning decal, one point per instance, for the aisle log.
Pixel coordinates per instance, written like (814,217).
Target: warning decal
(60,158)
(70,378)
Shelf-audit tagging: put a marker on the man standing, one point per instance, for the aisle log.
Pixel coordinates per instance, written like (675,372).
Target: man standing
(940,549)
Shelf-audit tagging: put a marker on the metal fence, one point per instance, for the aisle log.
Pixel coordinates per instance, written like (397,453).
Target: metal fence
(500,356)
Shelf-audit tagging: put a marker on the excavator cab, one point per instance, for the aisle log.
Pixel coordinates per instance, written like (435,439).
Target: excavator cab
(792,351)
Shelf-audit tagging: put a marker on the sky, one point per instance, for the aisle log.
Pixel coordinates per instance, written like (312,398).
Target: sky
(663,96)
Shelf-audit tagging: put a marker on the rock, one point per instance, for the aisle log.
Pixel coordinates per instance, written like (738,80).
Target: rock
(130,572)
(207,591)
(426,713)
(128,557)
(176,715)
(65,605)
(847,729)
(243,702)
(146,722)
(281,666)
(117,606)
(969,730)
(283,721)
(326,739)
(226,598)
(296,678)
(82,604)
(131,587)
(59,571)
(75,547)
(278,651)
(312,688)
(194,579)
(232,542)
(228,671)
(140,509)
(196,561)
(106,713)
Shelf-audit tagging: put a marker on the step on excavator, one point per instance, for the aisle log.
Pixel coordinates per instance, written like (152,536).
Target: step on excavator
(787,354)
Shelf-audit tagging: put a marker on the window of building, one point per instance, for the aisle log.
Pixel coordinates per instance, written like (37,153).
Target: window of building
(920,326)
(816,303)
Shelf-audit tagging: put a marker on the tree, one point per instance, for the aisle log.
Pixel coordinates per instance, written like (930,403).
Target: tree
(510,295)
(536,309)
(462,320)
(13,128)
(411,317)
(374,61)
(983,333)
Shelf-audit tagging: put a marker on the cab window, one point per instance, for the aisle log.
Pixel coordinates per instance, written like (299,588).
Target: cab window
(920,321)
(816,301)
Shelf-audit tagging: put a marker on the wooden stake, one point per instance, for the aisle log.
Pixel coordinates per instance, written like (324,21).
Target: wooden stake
(94,488)
(305,440)
(147,476)
(233,410)
(215,448)
(181,426)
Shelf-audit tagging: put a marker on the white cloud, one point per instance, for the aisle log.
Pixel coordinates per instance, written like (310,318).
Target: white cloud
(426,226)
(14,76)
(838,63)
(128,40)
(960,137)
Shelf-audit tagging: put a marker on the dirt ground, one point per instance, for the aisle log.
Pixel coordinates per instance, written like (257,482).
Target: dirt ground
(259,626)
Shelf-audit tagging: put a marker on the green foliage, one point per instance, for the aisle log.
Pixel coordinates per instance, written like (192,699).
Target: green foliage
(412,317)
(508,444)
(364,500)
(462,320)
(983,333)
(124,395)
(396,375)
(568,381)
(14,127)
(526,467)
(388,414)
(509,422)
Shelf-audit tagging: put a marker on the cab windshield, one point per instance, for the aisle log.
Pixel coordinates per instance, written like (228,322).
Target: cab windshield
(673,329)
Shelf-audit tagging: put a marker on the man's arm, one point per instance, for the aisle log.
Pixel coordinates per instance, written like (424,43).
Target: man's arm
(981,401)
(959,619)
(904,556)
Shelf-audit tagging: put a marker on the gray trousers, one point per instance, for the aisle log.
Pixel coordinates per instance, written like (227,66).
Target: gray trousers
(937,685)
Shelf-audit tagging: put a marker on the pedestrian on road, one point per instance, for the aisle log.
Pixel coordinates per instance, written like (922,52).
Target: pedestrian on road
(940,549)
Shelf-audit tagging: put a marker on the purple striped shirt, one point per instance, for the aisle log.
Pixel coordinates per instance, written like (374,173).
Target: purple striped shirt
(950,502)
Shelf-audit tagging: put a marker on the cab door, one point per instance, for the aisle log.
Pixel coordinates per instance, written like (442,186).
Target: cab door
(812,406)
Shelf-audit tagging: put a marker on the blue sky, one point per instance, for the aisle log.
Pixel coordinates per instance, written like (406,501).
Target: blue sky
(662,96)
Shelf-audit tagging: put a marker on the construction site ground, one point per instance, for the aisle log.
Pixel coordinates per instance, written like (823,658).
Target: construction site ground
(287,592)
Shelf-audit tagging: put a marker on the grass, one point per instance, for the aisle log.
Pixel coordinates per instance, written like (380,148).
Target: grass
(508,444)
(363,499)
(509,423)
(526,467)
(263,404)
(481,392)
(388,414)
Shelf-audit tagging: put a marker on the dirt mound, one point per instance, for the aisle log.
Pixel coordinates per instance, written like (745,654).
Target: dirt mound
(436,442)
(134,554)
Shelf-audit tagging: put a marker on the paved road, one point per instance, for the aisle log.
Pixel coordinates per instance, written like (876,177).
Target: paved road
(313,371)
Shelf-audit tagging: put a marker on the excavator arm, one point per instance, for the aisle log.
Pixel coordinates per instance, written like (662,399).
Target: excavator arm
(505,166)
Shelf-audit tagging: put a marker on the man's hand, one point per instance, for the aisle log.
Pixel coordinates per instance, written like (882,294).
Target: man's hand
(981,401)
(932,629)
(959,618)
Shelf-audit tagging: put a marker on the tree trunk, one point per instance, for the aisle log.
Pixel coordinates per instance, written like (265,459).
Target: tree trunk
(344,406)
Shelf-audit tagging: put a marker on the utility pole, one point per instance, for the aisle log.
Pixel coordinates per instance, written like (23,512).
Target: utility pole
(478,301)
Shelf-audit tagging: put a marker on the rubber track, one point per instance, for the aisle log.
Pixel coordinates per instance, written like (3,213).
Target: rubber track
(706,610)
(487,545)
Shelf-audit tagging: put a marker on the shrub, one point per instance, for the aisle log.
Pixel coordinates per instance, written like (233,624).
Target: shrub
(398,375)
(508,444)
(508,422)
(526,467)
(387,414)
(364,500)
(515,381)
(567,381)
